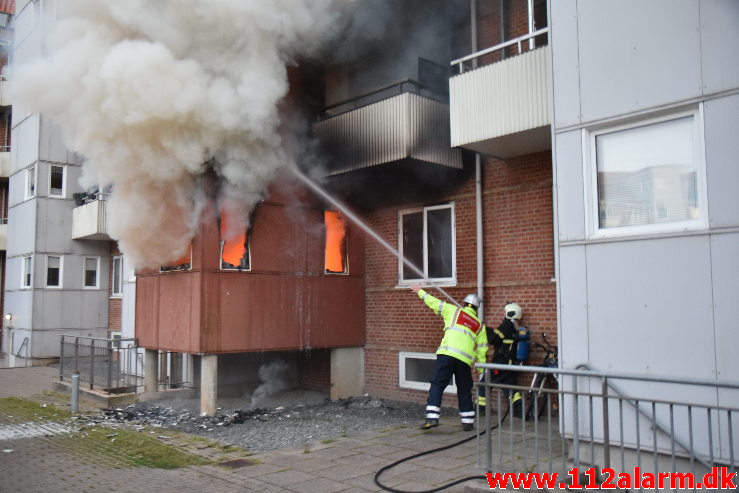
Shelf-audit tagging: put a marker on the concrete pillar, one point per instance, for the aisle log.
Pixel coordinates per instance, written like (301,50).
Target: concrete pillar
(208,383)
(347,372)
(151,370)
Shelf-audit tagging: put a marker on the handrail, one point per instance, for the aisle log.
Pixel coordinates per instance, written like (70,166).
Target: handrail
(500,46)
(638,409)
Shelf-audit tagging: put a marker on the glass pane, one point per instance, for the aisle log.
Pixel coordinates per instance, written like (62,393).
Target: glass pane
(439,231)
(412,231)
(52,271)
(117,275)
(91,267)
(647,175)
(56,180)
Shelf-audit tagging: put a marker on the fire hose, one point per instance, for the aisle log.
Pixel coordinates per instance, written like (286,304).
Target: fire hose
(428,452)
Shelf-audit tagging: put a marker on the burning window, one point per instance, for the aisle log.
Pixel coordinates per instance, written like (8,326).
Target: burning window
(335,242)
(182,263)
(234,247)
(427,242)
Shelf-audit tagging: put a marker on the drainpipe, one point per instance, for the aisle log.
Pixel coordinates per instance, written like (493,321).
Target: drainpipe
(478,180)
(478,217)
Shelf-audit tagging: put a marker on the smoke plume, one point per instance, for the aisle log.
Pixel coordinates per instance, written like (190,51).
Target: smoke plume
(276,376)
(152,93)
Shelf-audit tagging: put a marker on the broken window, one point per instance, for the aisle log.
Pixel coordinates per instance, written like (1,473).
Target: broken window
(182,263)
(336,261)
(427,242)
(234,246)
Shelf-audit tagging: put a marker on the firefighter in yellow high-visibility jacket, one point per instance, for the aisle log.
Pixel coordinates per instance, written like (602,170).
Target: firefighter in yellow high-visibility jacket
(464,342)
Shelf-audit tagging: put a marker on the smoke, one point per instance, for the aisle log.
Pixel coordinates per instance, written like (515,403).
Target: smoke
(154,94)
(276,376)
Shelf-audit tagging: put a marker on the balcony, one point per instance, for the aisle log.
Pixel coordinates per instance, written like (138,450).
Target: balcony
(401,125)
(4,161)
(89,218)
(502,109)
(4,99)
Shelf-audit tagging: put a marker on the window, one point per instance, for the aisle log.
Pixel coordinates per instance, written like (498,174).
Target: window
(415,370)
(30,183)
(234,245)
(26,271)
(182,263)
(56,181)
(648,177)
(117,287)
(53,271)
(335,248)
(91,268)
(427,243)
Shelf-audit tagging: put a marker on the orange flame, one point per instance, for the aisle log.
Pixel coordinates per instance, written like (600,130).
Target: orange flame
(233,247)
(335,241)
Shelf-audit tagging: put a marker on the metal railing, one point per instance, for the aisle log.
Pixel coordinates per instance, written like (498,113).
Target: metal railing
(470,61)
(117,365)
(593,419)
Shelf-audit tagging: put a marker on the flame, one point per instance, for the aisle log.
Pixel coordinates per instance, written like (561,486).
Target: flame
(233,245)
(335,241)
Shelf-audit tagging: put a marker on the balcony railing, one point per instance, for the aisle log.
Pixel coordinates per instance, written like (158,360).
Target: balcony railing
(89,218)
(502,109)
(394,122)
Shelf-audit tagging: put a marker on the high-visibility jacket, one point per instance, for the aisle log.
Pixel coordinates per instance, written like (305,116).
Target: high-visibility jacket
(465,337)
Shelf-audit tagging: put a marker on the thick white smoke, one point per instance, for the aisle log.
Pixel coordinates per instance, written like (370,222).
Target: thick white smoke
(148,92)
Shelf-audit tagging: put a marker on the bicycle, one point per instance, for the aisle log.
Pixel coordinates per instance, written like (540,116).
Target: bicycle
(538,396)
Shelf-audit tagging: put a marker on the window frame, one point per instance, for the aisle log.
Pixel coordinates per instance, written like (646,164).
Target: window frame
(116,293)
(27,271)
(178,267)
(84,272)
(222,243)
(31,177)
(592,210)
(436,281)
(345,272)
(63,194)
(61,272)
(403,381)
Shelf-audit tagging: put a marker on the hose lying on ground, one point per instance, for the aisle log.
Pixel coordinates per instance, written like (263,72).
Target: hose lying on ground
(428,452)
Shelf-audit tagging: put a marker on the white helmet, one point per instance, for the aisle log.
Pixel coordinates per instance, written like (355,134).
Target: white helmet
(473,300)
(513,311)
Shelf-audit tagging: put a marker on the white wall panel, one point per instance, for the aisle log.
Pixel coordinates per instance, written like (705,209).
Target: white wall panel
(725,269)
(651,307)
(719,30)
(24,151)
(570,189)
(573,306)
(565,63)
(636,55)
(722,160)
(22,228)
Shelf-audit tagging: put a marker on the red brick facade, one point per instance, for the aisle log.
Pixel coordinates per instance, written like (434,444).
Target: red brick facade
(518,266)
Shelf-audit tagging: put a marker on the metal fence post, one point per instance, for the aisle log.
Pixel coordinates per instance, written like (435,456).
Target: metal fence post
(606,425)
(110,364)
(92,364)
(61,361)
(75,404)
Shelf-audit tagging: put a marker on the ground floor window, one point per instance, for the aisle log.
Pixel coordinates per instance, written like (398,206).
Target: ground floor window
(415,370)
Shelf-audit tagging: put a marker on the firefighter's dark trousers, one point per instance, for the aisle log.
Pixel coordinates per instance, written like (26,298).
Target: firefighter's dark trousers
(445,367)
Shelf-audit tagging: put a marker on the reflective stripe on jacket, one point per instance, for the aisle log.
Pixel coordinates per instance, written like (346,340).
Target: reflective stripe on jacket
(465,337)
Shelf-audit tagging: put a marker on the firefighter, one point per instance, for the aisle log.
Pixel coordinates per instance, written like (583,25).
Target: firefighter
(504,340)
(464,341)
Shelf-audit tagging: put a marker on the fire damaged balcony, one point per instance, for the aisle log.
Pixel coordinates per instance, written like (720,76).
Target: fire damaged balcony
(89,217)
(292,281)
(391,124)
(502,109)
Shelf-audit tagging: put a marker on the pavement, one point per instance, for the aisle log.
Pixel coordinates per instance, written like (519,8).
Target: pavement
(34,459)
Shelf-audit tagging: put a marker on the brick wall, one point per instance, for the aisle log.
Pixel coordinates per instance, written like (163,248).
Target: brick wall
(314,369)
(518,266)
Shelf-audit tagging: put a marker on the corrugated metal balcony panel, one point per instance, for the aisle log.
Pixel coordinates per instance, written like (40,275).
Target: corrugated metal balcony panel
(4,164)
(400,127)
(501,99)
(89,221)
